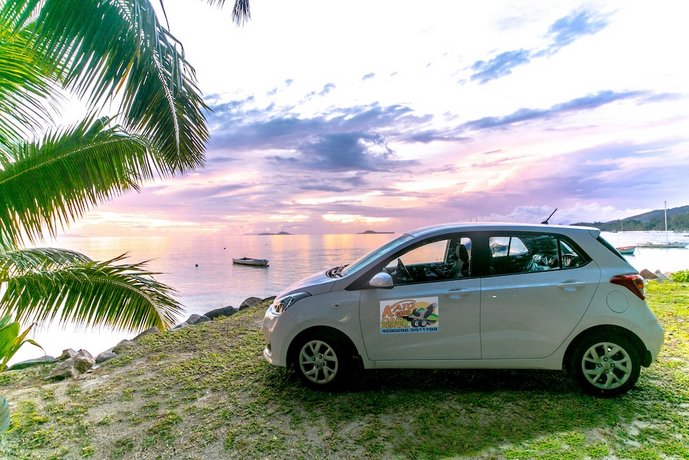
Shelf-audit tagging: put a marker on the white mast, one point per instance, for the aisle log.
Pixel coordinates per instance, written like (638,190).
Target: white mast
(666,240)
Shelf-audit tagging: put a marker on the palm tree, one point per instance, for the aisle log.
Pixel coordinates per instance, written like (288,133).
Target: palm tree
(107,53)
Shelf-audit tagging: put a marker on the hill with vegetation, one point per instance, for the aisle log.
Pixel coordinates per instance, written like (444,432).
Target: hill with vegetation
(677,220)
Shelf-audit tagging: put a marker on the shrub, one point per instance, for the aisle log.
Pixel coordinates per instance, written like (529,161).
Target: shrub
(681,276)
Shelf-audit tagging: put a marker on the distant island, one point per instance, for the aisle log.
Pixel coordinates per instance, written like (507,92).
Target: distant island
(373,232)
(273,234)
(677,221)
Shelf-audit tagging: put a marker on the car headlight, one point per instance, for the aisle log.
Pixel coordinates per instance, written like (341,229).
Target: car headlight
(283,303)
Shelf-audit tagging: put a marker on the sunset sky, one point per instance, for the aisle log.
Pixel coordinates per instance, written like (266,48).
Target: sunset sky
(342,116)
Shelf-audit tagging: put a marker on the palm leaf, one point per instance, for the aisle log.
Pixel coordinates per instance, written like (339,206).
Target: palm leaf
(25,82)
(241,12)
(122,296)
(22,261)
(110,46)
(69,171)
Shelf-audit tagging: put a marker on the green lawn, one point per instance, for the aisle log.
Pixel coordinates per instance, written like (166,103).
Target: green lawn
(205,392)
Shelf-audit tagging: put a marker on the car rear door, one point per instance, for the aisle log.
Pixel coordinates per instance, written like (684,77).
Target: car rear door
(533,296)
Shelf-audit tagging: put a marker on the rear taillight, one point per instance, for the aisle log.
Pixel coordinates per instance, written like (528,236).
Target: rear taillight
(633,282)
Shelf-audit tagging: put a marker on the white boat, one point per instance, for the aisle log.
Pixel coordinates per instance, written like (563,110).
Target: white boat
(667,244)
(661,245)
(251,261)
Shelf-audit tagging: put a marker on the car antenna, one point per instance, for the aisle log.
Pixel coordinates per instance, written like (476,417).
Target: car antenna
(545,222)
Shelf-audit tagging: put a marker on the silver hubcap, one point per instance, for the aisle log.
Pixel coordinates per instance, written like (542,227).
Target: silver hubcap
(318,361)
(606,365)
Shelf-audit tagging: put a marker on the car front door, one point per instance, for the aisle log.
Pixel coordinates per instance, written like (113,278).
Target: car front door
(432,312)
(537,289)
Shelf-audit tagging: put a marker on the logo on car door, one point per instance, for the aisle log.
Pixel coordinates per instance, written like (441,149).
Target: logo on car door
(409,315)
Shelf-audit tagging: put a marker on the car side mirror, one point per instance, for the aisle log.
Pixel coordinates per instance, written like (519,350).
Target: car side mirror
(381,280)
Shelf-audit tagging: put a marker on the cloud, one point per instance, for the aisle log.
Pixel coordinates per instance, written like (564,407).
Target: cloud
(326,89)
(577,24)
(499,66)
(561,33)
(588,102)
(354,151)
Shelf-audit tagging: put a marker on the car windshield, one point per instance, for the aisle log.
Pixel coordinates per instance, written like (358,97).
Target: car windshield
(365,260)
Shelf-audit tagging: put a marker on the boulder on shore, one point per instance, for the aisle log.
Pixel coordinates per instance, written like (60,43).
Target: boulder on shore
(250,302)
(150,330)
(73,367)
(105,356)
(123,346)
(221,312)
(32,362)
(66,354)
(647,274)
(192,320)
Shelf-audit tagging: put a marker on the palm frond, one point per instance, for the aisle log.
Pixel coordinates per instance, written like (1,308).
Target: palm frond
(122,296)
(22,261)
(110,46)
(241,12)
(25,83)
(51,183)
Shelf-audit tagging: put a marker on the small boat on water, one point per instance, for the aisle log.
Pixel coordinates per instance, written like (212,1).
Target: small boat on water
(667,244)
(626,250)
(251,261)
(661,245)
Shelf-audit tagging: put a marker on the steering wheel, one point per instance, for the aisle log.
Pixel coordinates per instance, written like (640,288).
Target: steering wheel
(402,268)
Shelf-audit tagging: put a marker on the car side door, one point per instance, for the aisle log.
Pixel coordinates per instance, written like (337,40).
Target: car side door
(432,310)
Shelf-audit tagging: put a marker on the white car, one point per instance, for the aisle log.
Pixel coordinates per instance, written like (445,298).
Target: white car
(472,296)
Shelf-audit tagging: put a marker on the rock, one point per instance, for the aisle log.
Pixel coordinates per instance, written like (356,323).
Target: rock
(660,276)
(83,361)
(269,299)
(66,354)
(250,302)
(33,362)
(106,355)
(647,274)
(63,370)
(196,319)
(193,319)
(221,312)
(123,346)
(150,330)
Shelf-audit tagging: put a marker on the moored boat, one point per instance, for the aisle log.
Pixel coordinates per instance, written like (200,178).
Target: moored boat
(662,245)
(626,250)
(251,261)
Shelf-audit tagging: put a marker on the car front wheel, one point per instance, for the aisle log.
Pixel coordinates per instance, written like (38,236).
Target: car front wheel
(606,365)
(321,361)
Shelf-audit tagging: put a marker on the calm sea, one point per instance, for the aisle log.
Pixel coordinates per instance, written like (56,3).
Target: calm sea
(200,268)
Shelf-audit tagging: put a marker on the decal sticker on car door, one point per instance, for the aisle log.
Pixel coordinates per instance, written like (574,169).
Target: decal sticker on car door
(409,315)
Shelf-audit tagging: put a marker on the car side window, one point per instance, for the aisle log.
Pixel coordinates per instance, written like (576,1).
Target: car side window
(436,260)
(533,252)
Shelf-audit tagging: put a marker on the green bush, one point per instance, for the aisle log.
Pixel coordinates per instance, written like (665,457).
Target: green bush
(680,276)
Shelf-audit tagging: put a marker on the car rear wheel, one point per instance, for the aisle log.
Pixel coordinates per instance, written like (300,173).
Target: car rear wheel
(322,361)
(606,365)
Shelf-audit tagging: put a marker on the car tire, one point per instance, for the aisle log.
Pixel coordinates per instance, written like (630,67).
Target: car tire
(605,364)
(322,361)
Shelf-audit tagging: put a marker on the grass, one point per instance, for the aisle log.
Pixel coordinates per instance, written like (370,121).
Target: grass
(205,392)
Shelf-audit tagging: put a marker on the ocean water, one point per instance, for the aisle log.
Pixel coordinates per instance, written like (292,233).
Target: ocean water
(200,268)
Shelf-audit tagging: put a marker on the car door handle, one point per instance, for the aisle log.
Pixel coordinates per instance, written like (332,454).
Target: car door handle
(571,286)
(457,293)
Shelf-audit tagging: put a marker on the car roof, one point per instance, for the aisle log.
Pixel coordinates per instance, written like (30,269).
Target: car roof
(500,226)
